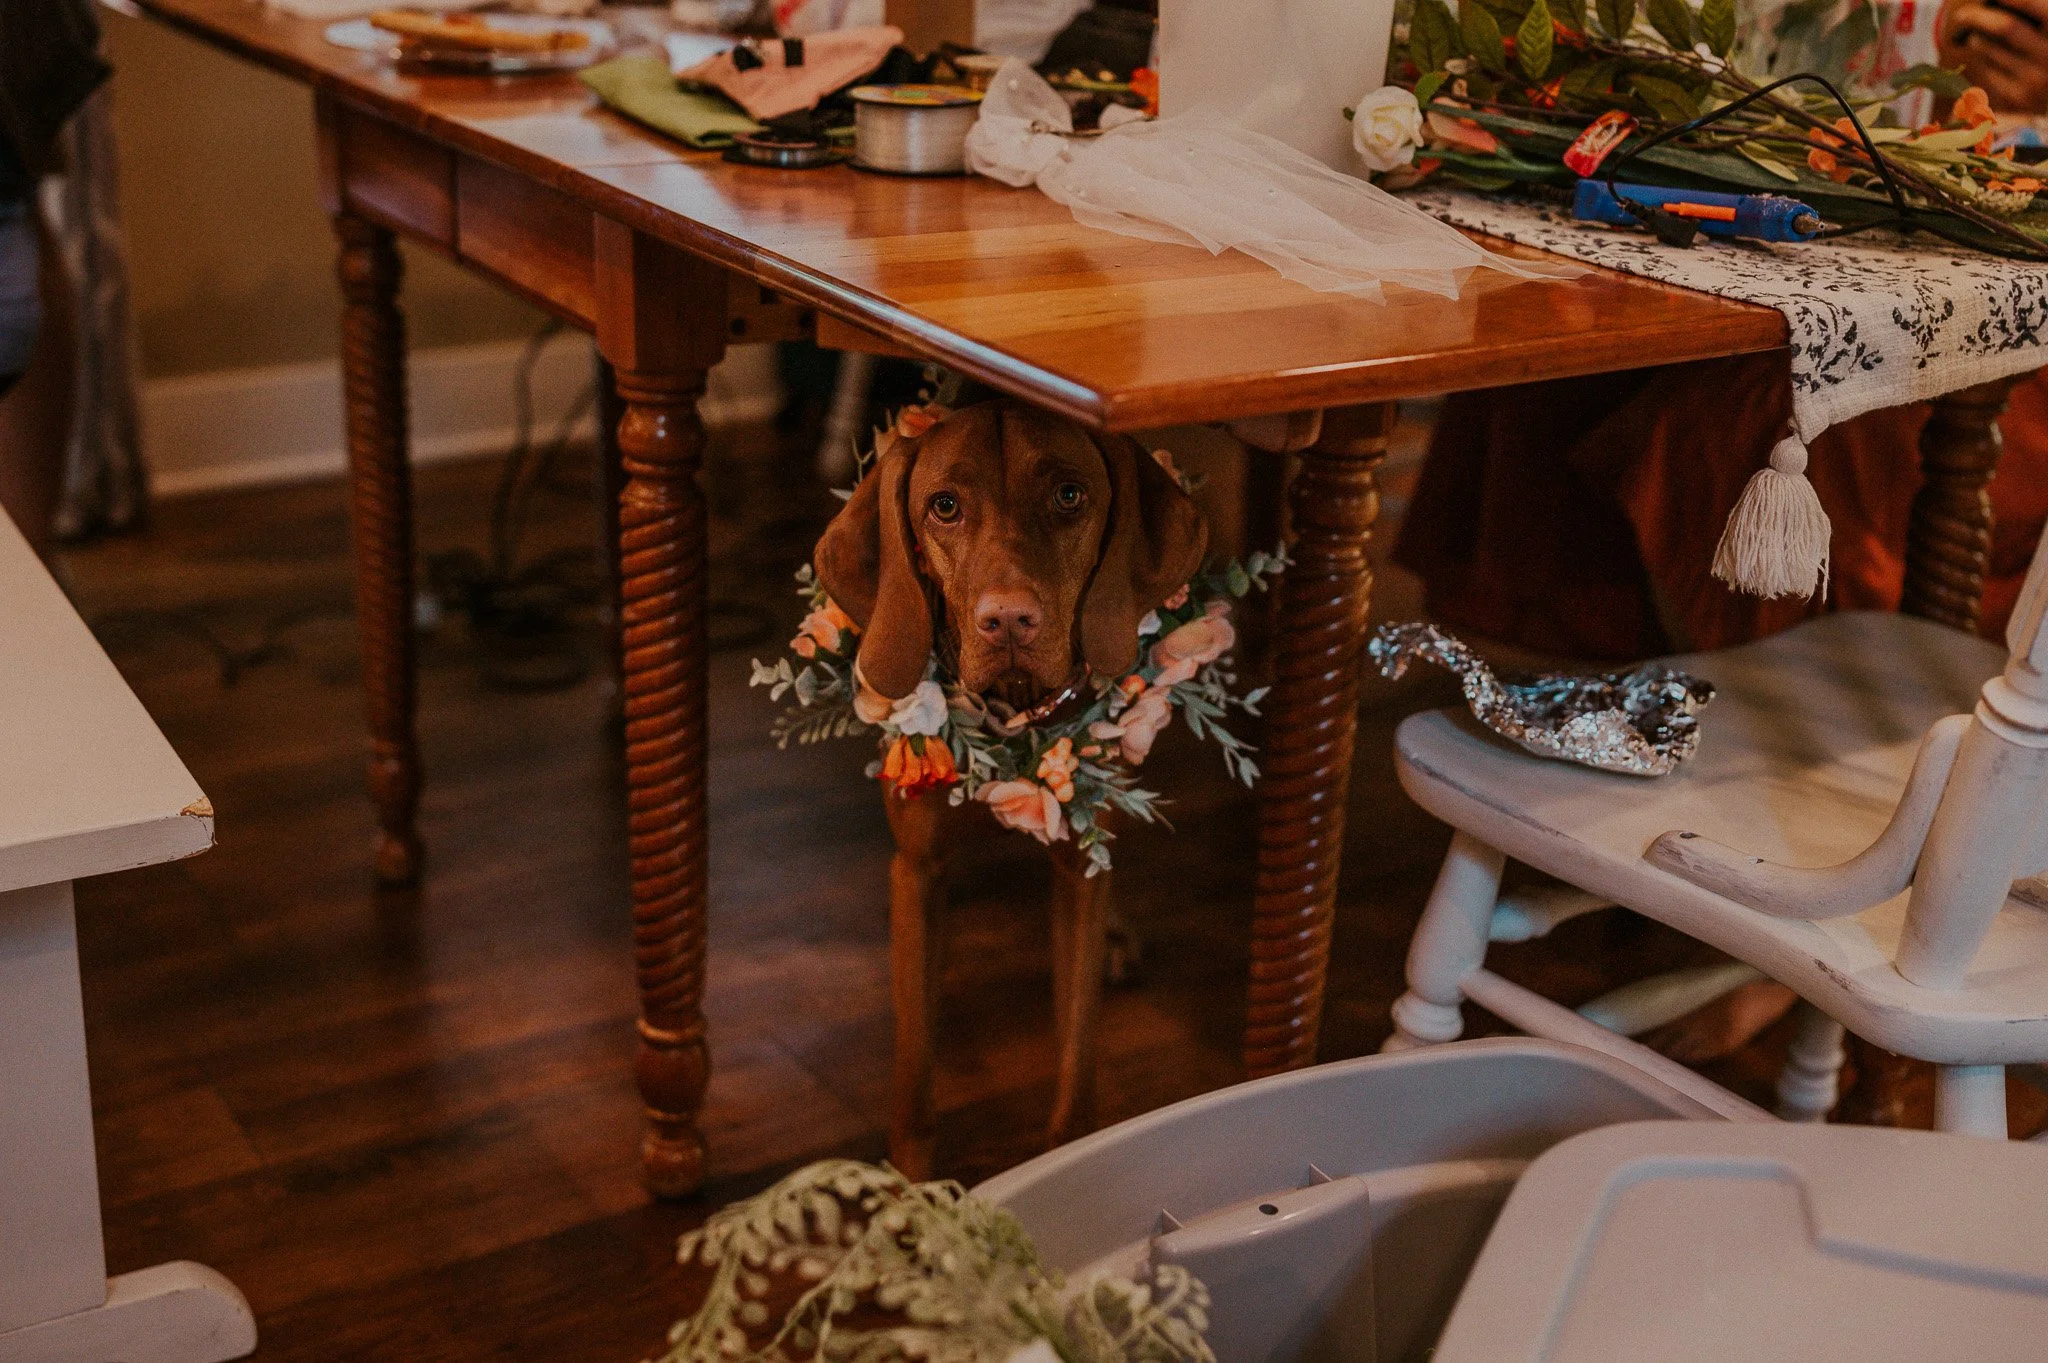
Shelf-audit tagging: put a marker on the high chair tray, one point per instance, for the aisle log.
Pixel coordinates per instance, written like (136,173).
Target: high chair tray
(1684,1241)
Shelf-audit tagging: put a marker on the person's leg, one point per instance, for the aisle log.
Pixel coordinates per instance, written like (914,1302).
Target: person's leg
(35,411)
(20,301)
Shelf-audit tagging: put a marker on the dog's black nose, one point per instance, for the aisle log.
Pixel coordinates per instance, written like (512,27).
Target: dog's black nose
(1007,617)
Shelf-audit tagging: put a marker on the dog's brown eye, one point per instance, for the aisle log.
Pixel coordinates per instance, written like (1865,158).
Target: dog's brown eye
(1070,496)
(945,506)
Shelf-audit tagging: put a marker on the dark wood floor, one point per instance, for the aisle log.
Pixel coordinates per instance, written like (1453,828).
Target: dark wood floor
(404,1123)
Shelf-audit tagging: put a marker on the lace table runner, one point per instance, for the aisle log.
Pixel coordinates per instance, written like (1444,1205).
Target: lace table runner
(1874,321)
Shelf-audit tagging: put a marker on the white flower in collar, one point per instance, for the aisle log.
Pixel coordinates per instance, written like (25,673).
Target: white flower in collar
(923,711)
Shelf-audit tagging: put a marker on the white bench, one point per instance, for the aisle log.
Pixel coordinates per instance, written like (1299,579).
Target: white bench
(87,786)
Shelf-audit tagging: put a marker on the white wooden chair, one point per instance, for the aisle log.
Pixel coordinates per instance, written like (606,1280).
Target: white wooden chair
(1850,827)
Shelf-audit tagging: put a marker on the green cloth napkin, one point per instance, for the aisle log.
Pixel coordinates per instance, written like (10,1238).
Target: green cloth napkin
(641,88)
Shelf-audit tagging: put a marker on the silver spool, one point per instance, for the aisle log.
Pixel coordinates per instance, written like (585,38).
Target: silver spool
(912,130)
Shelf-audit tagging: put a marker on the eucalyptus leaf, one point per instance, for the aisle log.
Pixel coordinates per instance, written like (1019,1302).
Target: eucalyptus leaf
(1426,88)
(1533,42)
(1925,76)
(1670,101)
(1955,139)
(1617,17)
(1592,83)
(1673,20)
(1481,36)
(1570,13)
(1432,36)
(1761,158)
(1717,26)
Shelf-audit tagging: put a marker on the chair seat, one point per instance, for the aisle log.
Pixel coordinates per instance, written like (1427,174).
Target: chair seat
(1803,754)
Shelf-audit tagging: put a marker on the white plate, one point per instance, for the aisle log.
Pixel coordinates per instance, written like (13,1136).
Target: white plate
(361,35)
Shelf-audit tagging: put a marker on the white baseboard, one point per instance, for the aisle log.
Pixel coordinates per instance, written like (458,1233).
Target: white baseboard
(283,423)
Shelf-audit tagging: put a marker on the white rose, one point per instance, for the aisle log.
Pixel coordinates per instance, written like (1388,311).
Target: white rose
(923,711)
(1386,128)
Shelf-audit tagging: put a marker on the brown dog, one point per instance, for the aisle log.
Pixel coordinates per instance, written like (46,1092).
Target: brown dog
(1023,551)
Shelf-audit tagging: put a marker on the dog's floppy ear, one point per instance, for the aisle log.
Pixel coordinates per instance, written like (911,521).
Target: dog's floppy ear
(867,562)
(1154,543)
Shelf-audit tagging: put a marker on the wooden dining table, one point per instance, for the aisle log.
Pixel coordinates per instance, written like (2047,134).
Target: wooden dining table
(668,255)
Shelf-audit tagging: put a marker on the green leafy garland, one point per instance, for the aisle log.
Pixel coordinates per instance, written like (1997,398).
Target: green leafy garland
(868,1267)
(1506,85)
(1051,779)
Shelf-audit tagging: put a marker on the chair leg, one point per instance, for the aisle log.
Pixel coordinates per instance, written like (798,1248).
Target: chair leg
(917,891)
(1811,1081)
(1970,1099)
(1449,943)
(1080,911)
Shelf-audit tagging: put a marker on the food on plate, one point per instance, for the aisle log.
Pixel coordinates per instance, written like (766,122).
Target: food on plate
(474,32)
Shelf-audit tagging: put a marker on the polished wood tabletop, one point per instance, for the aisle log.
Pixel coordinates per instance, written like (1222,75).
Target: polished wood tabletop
(1001,282)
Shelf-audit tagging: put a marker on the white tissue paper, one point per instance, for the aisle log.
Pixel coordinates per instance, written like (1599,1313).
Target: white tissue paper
(1201,180)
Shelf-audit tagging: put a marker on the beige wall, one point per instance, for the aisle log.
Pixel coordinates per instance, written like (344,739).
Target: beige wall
(232,260)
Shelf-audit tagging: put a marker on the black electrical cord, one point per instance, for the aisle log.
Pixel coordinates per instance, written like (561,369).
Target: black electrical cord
(1652,216)
(523,619)
(533,624)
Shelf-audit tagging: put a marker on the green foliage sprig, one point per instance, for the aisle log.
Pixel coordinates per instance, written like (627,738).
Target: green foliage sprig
(868,1267)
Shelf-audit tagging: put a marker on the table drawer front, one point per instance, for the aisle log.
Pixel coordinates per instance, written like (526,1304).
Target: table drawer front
(397,178)
(530,236)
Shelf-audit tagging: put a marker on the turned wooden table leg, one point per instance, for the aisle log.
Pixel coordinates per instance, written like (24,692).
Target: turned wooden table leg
(662,577)
(1313,709)
(380,516)
(1948,542)
(661,327)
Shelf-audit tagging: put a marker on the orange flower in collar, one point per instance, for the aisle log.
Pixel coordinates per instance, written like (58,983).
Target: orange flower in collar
(914,421)
(1057,769)
(916,764)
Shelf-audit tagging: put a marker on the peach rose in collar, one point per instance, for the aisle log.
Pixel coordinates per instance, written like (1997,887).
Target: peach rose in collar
(1027,807)
(869,705)
(1192,647)
(824,628)
(1139,726)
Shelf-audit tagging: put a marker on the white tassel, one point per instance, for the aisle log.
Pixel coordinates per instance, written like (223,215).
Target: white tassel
(1776,543)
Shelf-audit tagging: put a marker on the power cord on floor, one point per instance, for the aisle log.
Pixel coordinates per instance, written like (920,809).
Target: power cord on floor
(110,626)
(526,619)
(532,624)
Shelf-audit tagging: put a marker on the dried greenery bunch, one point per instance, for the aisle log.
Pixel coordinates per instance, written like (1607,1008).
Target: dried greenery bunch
(1506,86)
(844,1262)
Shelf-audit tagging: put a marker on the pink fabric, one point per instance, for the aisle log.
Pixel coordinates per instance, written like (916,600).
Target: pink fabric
(772,89)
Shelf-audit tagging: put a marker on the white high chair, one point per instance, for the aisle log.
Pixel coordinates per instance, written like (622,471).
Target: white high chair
(1849,827)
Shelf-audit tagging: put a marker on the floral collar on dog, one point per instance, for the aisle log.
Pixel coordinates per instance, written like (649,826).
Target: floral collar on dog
(1053,771)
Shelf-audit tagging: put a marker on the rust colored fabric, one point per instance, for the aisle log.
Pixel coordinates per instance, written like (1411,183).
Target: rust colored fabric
(1579,517)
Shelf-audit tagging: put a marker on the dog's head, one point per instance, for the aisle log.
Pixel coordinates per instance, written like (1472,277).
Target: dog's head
(1013,542)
